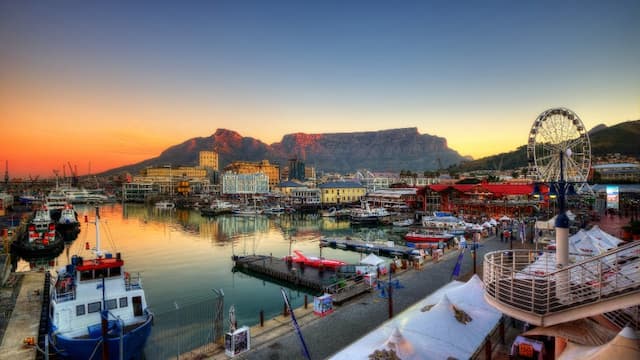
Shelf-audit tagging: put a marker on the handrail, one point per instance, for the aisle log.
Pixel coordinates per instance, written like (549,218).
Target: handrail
(528,280)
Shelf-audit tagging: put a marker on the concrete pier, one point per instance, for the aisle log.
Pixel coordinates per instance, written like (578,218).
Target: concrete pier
(24,315)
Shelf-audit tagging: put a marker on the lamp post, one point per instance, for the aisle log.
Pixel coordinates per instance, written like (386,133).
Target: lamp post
(562,232)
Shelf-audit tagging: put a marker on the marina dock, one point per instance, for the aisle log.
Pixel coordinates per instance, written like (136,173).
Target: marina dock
(387,250)
(341,287)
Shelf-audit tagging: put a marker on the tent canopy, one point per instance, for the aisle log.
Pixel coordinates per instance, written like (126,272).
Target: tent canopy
(452,322)
(372,259)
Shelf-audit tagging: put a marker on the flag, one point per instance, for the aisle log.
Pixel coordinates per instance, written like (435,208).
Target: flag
(305,351)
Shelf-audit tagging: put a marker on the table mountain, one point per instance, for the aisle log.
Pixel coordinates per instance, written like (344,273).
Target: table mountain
(385,150)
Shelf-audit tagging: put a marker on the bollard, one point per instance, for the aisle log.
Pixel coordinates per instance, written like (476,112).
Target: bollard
(284,310)
(261,318)
(305,301)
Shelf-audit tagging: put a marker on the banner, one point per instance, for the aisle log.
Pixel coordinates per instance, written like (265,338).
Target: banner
(456,269)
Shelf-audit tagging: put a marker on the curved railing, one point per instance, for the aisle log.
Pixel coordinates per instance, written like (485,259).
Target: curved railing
(527,285)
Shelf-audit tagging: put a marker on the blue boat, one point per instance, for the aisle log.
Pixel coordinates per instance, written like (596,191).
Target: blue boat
(94,302)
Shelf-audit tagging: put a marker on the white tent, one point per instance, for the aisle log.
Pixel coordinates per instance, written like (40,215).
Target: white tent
(604,237)
(372,259)
(505,218)
(493,222)
(453,322)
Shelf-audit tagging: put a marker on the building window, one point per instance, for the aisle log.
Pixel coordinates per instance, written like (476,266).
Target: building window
(80,310)
(123,302)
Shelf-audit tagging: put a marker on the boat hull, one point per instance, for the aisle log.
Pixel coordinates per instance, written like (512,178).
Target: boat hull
(134,342)
(420,238)
(24,249)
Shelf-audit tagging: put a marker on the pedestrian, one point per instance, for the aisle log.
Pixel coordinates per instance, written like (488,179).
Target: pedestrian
(501,236)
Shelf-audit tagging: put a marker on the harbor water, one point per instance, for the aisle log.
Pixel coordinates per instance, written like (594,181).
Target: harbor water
(183,256)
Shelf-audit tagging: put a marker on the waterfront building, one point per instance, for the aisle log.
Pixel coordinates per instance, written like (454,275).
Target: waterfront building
(341,192)
(614,173)
(235,184)
(209,160)
(305,196)
(137,191)
(398,199)
(174,172)
(484,199)
(272,171)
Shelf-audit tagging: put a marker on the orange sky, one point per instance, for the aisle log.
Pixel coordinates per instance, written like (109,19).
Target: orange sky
(98,83)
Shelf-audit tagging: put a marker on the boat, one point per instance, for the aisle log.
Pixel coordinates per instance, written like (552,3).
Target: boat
(274,210)
(218,207)
(446,223)
(427,236)
(368,215)
(35,243)
(165,205)
(95,301)
(84,196)
(55,201)
(403,223)
(67,223)
(313,261)
(246,211)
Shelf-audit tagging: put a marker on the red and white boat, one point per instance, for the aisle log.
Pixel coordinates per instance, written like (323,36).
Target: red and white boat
(314,261)
(427,236)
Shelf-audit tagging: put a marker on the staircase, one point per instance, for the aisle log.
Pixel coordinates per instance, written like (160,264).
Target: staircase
(526,285)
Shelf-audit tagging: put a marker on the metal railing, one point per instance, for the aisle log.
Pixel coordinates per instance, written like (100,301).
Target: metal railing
(528,281)
(625,317)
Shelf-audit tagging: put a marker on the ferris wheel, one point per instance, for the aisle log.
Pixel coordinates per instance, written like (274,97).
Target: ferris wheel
(559,135)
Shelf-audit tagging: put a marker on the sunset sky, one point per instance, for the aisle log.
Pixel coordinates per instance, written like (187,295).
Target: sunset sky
(111,83)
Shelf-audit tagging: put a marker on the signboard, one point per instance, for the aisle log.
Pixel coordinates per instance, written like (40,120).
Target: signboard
(613,197)
(237,342)
(322,305)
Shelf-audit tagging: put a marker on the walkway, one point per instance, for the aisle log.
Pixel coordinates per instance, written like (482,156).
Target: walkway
(325,336)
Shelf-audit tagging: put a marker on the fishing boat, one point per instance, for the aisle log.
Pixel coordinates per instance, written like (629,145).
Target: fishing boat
(427,236)
(96,302)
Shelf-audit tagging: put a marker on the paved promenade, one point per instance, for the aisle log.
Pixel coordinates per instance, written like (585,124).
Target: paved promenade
(325,336)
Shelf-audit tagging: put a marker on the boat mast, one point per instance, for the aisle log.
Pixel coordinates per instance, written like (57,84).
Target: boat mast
(98,251)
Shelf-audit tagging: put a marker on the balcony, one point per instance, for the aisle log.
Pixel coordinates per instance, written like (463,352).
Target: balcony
(526,285)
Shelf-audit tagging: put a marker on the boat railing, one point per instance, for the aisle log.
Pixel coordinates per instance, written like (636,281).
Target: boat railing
(133,282)
(62,296)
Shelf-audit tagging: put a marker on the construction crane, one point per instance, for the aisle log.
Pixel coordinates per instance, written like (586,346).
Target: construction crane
(74,174)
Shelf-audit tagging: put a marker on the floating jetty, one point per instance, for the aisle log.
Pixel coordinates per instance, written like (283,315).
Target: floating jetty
(387,250)
(319,281)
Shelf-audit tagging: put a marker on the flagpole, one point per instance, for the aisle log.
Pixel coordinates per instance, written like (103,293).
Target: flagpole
(305,351)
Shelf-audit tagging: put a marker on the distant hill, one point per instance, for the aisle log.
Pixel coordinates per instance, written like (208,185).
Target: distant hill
(622,138)
(385,150)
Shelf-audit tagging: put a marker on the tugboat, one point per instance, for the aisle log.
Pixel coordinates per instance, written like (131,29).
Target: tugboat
(40,238)
(96,302)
